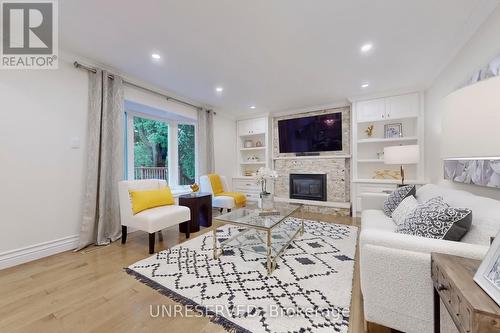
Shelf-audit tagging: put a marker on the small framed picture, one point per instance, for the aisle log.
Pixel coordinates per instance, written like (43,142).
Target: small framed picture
(393,130)
(488,273)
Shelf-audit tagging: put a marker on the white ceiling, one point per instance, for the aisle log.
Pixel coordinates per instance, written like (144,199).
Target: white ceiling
(275,54)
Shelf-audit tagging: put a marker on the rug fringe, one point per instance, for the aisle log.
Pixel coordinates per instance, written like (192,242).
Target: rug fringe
(215,318)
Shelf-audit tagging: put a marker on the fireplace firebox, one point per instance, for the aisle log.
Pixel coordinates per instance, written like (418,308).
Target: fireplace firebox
(308,186)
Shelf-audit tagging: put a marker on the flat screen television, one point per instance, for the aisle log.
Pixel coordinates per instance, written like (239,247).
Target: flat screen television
(311,134)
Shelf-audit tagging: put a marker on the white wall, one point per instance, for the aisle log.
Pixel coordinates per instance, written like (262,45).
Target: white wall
(41,176)
(225,146)
(158,102)
(481,48)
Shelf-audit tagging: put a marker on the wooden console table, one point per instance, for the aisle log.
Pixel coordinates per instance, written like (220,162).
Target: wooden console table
(471,309)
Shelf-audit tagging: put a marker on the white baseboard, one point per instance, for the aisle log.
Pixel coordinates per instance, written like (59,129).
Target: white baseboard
(37,251)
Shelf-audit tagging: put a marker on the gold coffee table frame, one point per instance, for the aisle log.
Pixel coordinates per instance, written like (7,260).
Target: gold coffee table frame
(271,260)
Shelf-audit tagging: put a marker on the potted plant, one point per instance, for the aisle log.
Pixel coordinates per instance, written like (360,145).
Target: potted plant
(263,176)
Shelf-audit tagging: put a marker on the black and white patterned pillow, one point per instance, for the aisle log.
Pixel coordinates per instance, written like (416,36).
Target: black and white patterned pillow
(395,198)
(436,219)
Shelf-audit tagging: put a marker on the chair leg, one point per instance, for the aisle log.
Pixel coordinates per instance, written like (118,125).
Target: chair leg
(160,236)
(151,243)
(188,228)
(124,234)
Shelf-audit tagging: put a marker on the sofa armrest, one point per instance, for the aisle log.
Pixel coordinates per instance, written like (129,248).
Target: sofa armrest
(421,244)
(373,201)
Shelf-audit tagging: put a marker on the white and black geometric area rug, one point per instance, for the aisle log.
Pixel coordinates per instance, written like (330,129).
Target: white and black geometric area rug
(310,290)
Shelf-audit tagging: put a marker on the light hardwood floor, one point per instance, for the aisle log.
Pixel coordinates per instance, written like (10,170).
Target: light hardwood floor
(88,291)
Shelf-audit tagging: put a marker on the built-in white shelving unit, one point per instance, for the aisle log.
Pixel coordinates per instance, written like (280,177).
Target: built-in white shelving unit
(387,181)
(253,163)
(388,140)
(367,151)
(253,149)
(253,153)
(370,160)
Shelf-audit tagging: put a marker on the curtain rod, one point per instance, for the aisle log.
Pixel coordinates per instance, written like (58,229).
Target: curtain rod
(169,98)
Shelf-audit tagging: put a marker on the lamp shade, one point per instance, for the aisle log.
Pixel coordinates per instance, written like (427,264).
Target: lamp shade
(409,154)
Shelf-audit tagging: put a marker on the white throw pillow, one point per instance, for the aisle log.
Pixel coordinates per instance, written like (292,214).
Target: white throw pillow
(404,209)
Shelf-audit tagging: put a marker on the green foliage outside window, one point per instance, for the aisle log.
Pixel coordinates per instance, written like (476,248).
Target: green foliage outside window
(151,150)
(150,143)
(186,152)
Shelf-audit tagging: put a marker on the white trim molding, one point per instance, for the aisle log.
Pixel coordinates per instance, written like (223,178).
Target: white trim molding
(37,251)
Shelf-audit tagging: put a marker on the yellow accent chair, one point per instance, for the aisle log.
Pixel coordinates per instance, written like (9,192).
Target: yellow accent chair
(151,220)
(222,198)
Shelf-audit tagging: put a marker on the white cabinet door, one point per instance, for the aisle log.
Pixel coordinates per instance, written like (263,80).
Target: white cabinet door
(404,106)
(259,126)
(245,127)
(371,110)
(252,126)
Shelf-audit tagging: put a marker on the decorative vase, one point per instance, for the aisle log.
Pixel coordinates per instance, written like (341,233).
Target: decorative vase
(266,201)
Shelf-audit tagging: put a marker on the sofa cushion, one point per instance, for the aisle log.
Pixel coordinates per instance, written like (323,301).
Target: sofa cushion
(402,211)
(485,222)
(395,198)
(159,218)
(222,201)
(451,196)
(436,219)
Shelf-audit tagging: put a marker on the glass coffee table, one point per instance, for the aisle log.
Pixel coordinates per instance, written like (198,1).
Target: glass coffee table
(268,235)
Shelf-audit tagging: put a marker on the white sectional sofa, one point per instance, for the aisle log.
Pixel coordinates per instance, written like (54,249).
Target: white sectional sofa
(395,268)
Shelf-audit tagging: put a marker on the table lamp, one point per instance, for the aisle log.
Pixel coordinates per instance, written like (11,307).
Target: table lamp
(402,155)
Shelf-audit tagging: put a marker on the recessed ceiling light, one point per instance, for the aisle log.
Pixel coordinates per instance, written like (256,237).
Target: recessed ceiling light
(253,107)
(365,85)
(219,89)
(366,47)
(156,56)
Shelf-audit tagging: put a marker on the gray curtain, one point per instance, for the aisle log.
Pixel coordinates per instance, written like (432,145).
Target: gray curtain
(206,162)
(101,217)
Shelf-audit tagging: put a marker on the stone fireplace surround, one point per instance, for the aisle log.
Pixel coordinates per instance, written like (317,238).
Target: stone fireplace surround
(336,166)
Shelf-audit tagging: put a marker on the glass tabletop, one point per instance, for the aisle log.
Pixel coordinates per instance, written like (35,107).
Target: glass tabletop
(250,216)
(255,240)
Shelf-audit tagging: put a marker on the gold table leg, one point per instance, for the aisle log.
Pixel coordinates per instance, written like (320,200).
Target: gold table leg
(269,262)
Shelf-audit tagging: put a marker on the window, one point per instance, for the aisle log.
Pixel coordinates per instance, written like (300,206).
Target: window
(160,148)
(186,153)
(150,149)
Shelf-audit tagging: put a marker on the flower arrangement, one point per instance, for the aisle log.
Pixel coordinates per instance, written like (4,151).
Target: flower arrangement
(263,175)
